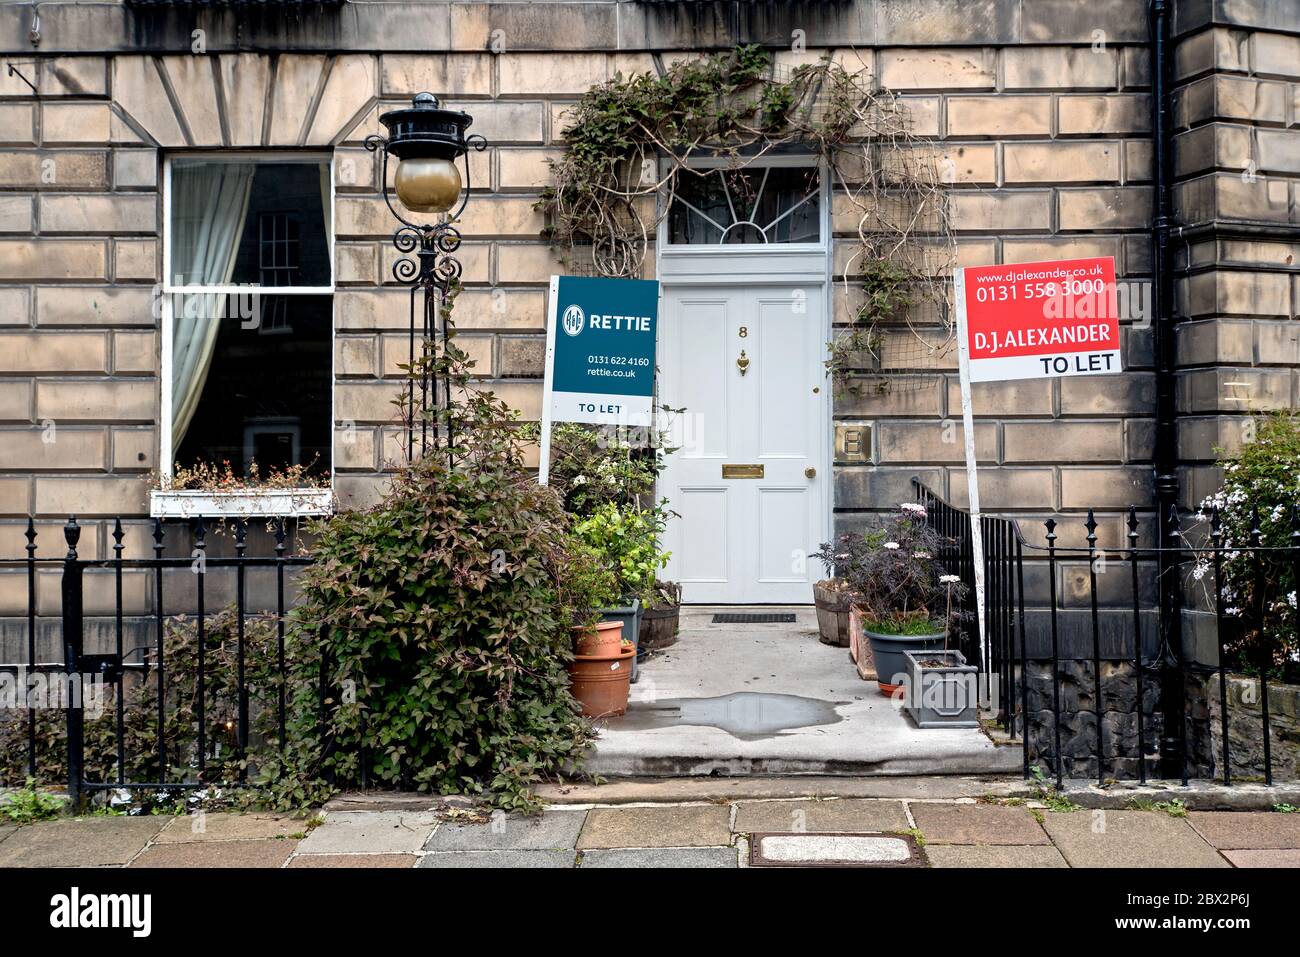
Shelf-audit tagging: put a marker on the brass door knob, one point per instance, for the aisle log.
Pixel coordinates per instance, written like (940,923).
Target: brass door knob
(810,472)
(743,362)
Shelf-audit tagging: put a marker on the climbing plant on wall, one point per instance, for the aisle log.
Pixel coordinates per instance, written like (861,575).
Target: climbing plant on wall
(630,141)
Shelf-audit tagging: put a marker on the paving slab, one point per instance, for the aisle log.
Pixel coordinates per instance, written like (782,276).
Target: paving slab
(1128,839)
(691,826)
(363,832)
(6,831)
(488,859)
(1287,858)
(756,787)
(192,828)
(1247,830)
(689,857)
(977,824)
(849,814)
(993,855)
(550,829)
(263,853)
(772,699)
(88,842)
(344,861)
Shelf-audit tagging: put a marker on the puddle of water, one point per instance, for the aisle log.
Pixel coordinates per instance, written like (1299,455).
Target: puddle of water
(747,715)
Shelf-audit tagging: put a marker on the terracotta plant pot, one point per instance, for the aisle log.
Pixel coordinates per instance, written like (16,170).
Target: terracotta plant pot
(860,647)
(833,608)
(601,684)
(601,640)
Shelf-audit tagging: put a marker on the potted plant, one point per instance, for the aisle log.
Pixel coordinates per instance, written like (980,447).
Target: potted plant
(660,618)
(627,543)
(902,601)
(601,669)
(834,602)
(943,691)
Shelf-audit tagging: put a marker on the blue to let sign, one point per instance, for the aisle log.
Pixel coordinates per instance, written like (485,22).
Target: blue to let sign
(600,350)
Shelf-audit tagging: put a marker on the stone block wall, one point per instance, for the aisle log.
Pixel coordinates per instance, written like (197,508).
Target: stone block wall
(1237,169)
(1041,117)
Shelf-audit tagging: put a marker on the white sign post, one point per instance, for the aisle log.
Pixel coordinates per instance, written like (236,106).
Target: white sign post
(972,473)
(1043,320)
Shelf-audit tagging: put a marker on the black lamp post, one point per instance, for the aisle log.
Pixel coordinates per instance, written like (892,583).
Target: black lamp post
(426,140)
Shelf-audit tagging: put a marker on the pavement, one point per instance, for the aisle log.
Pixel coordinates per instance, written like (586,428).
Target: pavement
(772,699)
(406,831)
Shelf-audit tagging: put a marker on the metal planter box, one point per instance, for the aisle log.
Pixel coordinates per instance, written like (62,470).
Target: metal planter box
(945,695)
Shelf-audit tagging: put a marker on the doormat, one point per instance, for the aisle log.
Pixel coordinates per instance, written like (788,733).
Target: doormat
(751,618)
(803,849)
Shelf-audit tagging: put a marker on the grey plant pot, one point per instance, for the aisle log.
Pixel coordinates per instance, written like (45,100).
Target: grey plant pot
(630,616)
(888,652)
(946,696)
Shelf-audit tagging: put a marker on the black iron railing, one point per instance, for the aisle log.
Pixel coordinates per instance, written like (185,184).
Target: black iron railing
(1117,647)
(1073,675)
(134,661)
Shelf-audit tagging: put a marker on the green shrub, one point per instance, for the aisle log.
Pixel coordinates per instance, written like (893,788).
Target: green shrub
(628,538)
(1261,481)
(27,805)
(441,617)
(593,466)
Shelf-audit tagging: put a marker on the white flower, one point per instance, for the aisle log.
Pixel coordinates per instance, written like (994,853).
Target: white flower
(921,555)
(580,480)
(912,508)
(892,546)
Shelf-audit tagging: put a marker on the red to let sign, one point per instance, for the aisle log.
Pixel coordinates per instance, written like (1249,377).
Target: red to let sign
(1039,320)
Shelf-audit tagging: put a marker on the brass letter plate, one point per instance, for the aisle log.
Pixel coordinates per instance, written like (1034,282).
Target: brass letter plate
(742,471)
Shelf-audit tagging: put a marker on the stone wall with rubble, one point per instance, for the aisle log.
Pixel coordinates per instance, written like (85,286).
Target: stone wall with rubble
(1246,728)
(1120,750)
(1042,116)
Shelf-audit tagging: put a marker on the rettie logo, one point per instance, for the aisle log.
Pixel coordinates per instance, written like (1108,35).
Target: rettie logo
(75,910)
(573,320)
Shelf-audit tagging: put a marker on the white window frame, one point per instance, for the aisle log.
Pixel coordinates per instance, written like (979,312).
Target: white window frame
(252,503)
(666,247)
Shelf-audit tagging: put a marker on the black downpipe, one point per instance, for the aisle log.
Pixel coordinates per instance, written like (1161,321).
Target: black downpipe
(1172,690)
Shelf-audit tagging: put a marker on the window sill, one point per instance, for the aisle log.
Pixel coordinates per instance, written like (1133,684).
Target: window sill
(244,503)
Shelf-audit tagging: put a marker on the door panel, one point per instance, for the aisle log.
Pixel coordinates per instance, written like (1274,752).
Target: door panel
(745,540)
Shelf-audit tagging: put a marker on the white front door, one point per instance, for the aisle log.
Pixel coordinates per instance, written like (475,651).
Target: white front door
(750,482)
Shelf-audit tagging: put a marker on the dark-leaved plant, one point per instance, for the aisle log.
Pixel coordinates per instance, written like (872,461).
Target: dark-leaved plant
(895,574)
(441,619)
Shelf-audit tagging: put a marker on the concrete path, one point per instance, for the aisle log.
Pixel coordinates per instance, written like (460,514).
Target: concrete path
(410,831)
(743,699)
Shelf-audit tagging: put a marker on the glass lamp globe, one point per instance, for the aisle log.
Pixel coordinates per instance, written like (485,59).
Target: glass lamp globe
(427,184)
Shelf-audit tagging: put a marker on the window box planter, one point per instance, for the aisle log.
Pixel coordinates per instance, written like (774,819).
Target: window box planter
(242,503)
(942,690)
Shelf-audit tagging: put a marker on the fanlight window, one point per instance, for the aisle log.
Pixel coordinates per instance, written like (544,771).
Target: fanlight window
(752,206)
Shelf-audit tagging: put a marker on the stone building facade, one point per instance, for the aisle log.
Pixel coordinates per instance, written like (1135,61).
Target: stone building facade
(1042,111)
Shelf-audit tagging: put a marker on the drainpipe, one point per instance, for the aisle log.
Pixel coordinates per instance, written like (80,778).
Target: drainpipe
(1172,690)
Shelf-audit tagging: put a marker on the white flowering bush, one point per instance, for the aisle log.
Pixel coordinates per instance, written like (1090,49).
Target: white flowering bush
(1261,483)
(895,574)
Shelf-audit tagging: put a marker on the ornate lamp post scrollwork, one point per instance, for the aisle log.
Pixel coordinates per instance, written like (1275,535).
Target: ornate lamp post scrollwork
(426,141)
